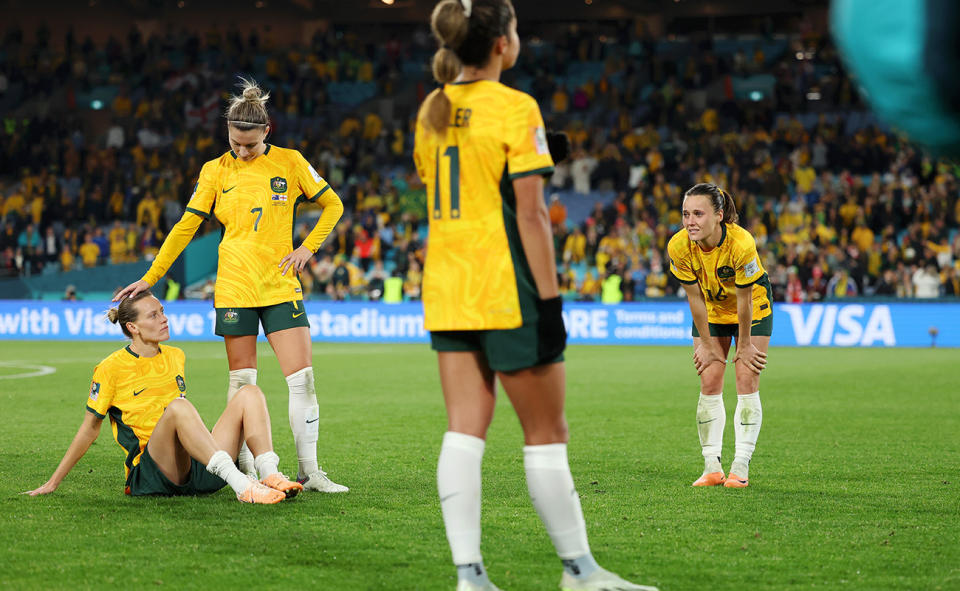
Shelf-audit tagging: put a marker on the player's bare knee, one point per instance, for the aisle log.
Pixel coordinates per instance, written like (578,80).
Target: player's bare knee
(249,392)
(180,407)
(711,381)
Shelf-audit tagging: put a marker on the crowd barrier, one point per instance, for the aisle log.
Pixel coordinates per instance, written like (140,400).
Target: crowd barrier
(841,324)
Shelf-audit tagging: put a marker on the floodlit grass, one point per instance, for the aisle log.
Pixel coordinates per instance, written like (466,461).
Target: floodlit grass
(854,485)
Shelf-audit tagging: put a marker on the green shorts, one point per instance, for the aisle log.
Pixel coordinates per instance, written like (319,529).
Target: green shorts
(758,328)
(146,479)
(540,340)
(246,321)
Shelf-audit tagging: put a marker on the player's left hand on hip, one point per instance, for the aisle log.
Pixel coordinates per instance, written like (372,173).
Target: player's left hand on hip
(296,260)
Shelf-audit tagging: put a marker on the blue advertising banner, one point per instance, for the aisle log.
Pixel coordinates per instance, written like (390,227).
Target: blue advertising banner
(842,324)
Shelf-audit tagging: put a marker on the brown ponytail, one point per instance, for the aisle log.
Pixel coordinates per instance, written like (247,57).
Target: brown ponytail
(730,214)
(720,199)
(126,312)
(466,33)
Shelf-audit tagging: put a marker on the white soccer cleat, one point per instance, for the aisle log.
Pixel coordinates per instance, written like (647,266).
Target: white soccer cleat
(465,585)
(600,580)
(319,481)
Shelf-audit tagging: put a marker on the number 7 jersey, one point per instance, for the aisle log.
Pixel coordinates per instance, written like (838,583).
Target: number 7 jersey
(256,202)
(476,276)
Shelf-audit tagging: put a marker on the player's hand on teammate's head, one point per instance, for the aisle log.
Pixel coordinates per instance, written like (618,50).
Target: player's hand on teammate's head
(131,290)
(559,144)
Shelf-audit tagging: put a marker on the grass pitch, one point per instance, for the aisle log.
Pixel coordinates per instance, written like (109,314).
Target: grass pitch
(854,485)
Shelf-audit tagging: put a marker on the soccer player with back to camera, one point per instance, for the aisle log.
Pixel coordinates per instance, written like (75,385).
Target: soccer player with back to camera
(730,297)
(169,449)
(253,190)
(490,295)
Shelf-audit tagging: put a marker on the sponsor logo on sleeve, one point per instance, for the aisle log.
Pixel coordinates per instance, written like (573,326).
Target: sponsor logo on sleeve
(540,141)
(751,268)
(94,390)
(181,384)
(316,176)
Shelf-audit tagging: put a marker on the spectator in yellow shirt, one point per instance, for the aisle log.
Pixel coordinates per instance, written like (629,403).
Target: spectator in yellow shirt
(89,252)
(590,288)
(148,211)
(862,236)
(575,247)
(372,126)
(118,243)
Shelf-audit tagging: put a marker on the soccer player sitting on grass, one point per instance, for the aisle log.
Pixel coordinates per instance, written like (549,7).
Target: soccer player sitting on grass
(169,449)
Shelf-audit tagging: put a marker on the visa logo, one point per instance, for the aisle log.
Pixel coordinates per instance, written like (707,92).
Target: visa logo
(841,325)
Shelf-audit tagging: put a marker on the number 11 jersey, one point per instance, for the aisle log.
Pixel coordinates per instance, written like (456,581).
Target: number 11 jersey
(476,276)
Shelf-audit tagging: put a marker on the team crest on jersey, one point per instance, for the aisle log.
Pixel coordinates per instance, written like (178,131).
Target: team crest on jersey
(181,384)
(725,273)
(278,199)
(94,390)
(231,317)
(278,184)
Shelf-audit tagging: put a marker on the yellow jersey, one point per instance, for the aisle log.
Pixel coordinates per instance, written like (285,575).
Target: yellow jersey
(134,391)
(732,263)
(256,202)
(476,274)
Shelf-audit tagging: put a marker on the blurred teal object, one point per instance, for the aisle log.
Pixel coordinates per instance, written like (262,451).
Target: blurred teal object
(905,56)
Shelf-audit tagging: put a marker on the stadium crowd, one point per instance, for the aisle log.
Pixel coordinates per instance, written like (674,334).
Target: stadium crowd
(840,206)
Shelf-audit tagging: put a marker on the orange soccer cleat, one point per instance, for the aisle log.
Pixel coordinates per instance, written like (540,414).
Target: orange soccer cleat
(711,479)
(280,482)
(260,494)
(734,481)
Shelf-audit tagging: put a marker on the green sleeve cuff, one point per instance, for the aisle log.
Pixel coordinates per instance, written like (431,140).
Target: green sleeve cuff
(202,214)
(519,175)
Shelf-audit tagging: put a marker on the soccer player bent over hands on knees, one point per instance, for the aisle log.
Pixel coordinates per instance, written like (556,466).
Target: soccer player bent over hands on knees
(169,450)
(253,190)
(490,295)
(730,297)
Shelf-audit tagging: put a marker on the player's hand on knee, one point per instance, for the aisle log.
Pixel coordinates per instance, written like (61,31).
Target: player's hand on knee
(752,358)
(703,356)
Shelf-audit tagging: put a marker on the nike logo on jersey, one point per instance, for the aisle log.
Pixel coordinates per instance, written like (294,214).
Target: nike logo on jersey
(299,315)
(230,189)
(136,392)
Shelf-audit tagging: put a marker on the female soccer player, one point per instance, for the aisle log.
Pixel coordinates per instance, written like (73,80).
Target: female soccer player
(490,294)
(712,256)
(169,449)
(254,190)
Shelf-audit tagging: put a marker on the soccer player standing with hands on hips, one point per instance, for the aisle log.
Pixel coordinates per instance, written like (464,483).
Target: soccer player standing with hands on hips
(730,297)
(254,190)
(169,449)
(490,295)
